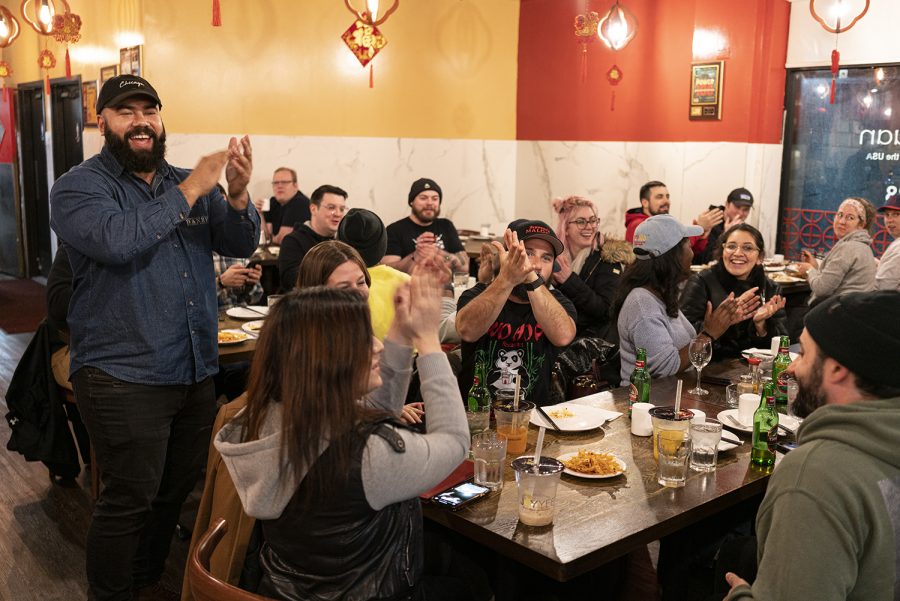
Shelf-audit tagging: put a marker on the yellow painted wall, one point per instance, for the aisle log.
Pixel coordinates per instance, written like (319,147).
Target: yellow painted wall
(279,66)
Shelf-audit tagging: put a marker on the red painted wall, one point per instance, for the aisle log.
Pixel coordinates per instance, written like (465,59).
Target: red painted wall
(651,101)
(8,122)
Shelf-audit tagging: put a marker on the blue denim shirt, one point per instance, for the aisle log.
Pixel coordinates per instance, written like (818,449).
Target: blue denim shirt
(143,305)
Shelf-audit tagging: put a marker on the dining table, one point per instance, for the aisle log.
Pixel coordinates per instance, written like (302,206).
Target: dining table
(599,520)
(236,352)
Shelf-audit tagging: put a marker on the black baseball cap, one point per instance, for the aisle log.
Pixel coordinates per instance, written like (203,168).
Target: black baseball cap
(892,204)
(740,197)
(120,87)
(526,230)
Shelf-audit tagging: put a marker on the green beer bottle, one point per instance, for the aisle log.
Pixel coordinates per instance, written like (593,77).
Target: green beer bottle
(640,381)
(765,428)
(782,360)
(478,396)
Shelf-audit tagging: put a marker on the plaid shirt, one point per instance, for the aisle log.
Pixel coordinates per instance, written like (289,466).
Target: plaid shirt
(231,296)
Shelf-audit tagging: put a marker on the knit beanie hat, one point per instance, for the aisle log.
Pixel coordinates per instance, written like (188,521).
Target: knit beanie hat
(363,230)
(861,331)
(420,185)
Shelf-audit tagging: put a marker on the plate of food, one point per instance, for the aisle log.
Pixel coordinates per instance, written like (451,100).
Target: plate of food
(783,278)
(248,312)
(764,353)
(232,337)
(570,417)
(253,327)
(585,463)
(730,418)
(773,268)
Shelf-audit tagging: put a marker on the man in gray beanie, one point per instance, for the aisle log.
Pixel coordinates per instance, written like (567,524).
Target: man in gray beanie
(829,525)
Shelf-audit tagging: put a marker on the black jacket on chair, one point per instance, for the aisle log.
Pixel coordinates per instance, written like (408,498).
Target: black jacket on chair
(714,284)
(37,418)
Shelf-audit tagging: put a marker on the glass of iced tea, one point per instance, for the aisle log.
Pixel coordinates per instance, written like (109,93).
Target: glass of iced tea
(512,421)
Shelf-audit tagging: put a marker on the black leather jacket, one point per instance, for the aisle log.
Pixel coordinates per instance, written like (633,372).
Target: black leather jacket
(714,284)
(341,548)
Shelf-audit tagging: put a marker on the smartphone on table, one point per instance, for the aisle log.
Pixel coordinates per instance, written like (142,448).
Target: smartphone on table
(460,495)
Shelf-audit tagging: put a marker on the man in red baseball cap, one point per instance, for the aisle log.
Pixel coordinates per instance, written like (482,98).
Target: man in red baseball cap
(516,325)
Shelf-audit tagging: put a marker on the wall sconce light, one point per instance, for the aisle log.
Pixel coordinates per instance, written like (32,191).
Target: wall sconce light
(9,27)
(617,27)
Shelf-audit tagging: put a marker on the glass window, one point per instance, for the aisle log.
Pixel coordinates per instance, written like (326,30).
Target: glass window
(832,151)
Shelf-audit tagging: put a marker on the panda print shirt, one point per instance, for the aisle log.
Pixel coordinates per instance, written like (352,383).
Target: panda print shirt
(513,345)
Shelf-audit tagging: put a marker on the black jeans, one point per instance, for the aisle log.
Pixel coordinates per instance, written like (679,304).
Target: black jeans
(150,443)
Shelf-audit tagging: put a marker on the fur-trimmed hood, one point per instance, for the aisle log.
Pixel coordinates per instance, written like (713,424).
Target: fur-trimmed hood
(616,250)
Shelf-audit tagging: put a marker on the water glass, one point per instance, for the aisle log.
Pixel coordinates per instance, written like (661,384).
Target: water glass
(489,450)
(273,299)
(732,393)
(478,421)
(537,489)
(460,278)
(674,447)
(664,418)
(705,437)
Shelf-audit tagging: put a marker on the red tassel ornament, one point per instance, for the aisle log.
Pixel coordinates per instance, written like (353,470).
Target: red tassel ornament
(835,63)
(68,65)
(216,14)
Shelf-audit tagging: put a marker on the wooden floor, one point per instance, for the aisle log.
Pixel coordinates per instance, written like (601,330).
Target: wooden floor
(43,525)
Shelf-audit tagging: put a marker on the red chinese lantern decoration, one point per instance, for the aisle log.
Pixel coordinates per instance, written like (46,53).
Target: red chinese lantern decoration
(67,30)
(363,37)
(613,76)
(46,61)
(585,31)
(833,16)
(5,71)
(217,14)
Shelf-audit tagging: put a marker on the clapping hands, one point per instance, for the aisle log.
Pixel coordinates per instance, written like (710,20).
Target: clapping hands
(417,307)
(730,311)
(514,264)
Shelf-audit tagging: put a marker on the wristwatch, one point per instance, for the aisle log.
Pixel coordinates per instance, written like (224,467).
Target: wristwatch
(534,285)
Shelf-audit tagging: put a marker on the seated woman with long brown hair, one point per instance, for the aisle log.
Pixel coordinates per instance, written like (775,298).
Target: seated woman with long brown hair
(319,455)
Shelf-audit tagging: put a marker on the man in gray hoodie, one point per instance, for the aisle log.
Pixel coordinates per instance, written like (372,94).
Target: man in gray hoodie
(829,525)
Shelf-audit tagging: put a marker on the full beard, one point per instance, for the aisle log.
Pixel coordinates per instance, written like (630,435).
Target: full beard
(427,220)
(137,161)
(809,394)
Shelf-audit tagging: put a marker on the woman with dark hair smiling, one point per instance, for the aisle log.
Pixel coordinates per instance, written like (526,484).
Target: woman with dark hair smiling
(319,456)
(646,306)
(740,252)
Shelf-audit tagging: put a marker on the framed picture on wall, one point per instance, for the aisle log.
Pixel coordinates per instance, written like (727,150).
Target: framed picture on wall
(107,73)
(706,90)
(130,62)
(89,103)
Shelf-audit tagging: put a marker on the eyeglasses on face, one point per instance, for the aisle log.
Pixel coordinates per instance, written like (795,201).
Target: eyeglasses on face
(745,248)
(583,223)
(282,182)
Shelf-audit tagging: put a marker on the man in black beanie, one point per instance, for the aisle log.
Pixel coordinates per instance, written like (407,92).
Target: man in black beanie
(424,233)
(829,525)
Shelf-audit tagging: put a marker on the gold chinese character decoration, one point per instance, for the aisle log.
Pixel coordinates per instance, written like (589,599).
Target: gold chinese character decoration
(586,32)
(363,37)
(46,61)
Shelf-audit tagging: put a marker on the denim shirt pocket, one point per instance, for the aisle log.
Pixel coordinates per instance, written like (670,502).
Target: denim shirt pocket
(195,232)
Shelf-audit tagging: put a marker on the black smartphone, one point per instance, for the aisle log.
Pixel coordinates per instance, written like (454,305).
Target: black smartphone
(253,264)
(786,447)
(461,495)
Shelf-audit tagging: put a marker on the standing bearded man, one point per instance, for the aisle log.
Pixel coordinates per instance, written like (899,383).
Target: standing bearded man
(140,235)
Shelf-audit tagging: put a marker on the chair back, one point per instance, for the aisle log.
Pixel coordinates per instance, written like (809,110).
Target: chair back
(204,585)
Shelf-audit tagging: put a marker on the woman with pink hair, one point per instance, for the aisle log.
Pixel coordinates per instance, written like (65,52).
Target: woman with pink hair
(590,266)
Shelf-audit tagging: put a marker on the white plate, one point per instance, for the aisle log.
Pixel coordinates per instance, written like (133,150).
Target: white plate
(253,327)
(583,418)
(567,456)
(788,421)
(773,268)
(241,336)
(251,312)
(783,278)
(764,352)
(732,442)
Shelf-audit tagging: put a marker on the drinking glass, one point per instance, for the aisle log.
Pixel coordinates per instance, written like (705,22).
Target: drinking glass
(461,278)
(674,450)
(489,449)
(700,352)
(536,486)
(792,389)
(705,437)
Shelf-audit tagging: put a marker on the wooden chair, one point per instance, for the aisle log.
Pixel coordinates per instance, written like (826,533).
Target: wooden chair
(204,585)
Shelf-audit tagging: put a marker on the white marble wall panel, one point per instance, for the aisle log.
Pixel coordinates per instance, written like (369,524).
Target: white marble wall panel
(611,173)
(477,176)
(496,181)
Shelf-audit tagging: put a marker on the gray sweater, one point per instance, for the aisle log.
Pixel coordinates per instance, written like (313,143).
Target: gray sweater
(265,484)
(848,267)
(643,323)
